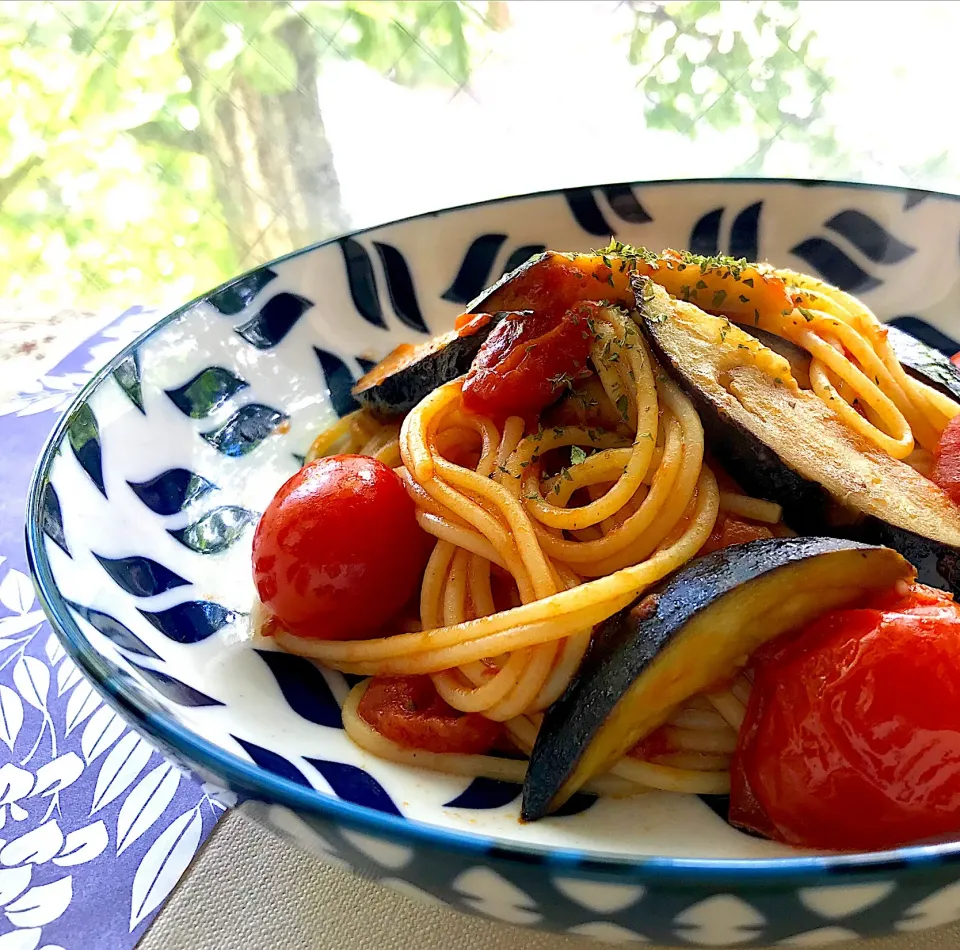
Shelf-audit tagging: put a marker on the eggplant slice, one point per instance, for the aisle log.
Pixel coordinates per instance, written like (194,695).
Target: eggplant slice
(783,443)
(411,372)
(398,382)
(925,363)
(697,628)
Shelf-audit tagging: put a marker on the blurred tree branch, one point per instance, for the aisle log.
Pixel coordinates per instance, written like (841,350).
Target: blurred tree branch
(702,65)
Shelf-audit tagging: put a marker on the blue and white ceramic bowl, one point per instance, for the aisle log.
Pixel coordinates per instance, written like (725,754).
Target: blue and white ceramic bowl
(141,514)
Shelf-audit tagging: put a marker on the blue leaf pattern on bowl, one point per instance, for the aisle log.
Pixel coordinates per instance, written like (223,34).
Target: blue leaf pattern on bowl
(339,380)
(239,294)
(624,204)
(173,689)
(127,375)
(575,804)
(83,434)
(705,236)
(273,762)
(362,282)
(583,206)
(475,268)
(353,784)
(141,576)
(304,688)
(171,491)
(53,519)
(277,317)
(206,392)
(485,793)
(832,264)
(400,287)
(245,429)
(190,622)
(744,233)
(117,633)
(869,237)
(216,530)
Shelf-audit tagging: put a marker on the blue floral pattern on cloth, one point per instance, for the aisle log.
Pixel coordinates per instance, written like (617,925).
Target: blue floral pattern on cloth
(161,614)
(96,826)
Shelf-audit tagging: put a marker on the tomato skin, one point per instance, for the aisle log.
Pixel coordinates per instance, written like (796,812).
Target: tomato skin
(522,364)
(409,711)
(852,735)
(946,469)
(338,552)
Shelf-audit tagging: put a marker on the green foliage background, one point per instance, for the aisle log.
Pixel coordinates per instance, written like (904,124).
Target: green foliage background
(146,142)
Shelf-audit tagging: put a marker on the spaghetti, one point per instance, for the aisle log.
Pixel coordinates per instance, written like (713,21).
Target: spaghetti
(545,526)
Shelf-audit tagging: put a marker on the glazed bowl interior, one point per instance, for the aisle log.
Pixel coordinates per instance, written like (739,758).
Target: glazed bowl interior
(144,502)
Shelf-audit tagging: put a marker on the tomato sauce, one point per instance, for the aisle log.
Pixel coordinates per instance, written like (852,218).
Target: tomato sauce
(527,362)
(730,530)
(409,711)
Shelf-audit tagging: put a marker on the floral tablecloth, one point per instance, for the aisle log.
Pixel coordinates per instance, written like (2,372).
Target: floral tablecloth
(96,827)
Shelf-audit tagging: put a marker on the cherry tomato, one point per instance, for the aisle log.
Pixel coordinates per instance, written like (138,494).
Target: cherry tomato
(946,469)
(338,552)
(409,711)
(955,359)
(527,362)
(730,530)
(852,735)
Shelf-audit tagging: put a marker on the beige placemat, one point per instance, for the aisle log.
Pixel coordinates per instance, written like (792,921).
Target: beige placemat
(248,890)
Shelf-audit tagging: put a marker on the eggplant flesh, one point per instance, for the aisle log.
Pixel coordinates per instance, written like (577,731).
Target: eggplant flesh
(783,443)
(694,630)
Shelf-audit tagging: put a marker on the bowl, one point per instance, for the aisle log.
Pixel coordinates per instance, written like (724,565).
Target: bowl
(139,527)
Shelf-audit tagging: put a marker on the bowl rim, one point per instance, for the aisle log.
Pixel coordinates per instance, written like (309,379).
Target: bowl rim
(145,717)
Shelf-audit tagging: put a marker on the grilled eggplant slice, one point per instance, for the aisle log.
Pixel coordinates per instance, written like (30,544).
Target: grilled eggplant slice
(925,363)
(398,382)
(607,274)
(781,442)
(411,372)
(694,630)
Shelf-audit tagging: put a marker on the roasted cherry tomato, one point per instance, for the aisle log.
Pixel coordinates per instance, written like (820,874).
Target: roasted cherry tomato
(338,552)
(946,470)
(852,735)
(527,362)
(409,711)
(730,530)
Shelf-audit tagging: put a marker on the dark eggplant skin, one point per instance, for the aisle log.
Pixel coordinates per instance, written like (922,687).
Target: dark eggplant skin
(636,651)
(908,512)
(511,286)
(388,392)
(925,363)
